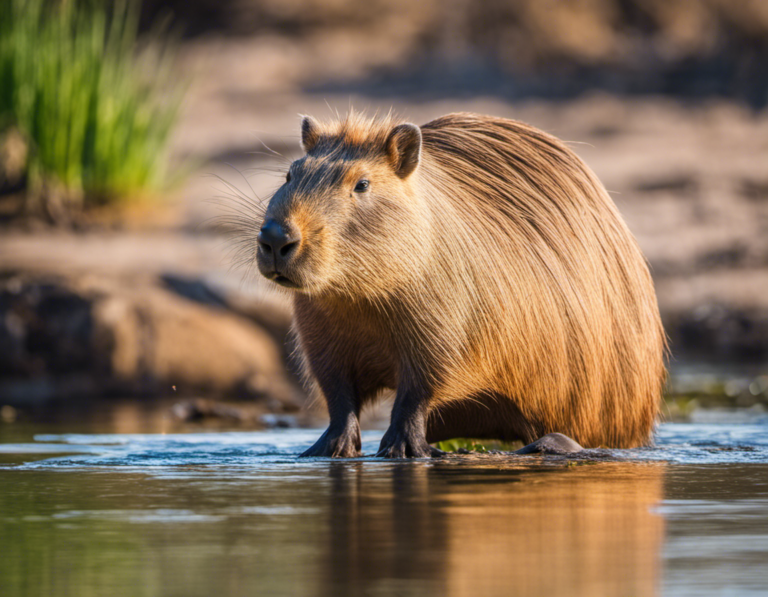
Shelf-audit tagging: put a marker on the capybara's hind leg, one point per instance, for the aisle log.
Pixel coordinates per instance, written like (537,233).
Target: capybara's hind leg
(552,443)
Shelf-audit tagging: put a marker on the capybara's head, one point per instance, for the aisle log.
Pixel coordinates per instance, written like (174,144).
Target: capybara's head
(349,217)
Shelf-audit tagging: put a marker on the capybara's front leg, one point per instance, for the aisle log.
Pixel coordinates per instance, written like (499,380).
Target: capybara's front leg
(340,440)
(407,433)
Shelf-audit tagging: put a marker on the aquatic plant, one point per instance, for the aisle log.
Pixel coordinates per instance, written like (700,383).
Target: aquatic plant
(462,444)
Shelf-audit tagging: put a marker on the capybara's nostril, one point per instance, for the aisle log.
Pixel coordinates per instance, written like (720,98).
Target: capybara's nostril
(277,239)
(286,250)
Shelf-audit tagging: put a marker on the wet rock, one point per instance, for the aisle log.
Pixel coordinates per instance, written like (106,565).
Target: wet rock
(63,336)
(552,443)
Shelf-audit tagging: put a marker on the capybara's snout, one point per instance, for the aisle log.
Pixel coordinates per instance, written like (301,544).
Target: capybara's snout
(278,245)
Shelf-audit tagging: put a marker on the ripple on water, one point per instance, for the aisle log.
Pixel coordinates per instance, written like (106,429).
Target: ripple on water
(680,443)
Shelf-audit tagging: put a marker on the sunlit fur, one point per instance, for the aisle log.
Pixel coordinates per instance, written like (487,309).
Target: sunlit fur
(498,278)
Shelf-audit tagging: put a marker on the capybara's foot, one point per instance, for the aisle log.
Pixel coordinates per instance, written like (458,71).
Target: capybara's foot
(399,444)
(334,444)
(552,443)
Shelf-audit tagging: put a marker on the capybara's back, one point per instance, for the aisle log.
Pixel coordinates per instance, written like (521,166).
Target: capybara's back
(478,266)
(564,322)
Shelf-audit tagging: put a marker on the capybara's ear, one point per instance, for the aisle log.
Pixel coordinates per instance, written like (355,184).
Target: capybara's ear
(310,133)
(404,148)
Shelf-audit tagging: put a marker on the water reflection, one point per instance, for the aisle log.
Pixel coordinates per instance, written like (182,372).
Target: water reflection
(239,514)
(465,527)
(386,534)
(491,529)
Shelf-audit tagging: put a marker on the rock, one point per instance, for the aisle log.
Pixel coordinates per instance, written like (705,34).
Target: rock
(552,443)
(69,335)
(202,410)
(274,318)
(199,409)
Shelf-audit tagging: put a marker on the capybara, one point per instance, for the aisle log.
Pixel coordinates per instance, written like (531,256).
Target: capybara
(475,265)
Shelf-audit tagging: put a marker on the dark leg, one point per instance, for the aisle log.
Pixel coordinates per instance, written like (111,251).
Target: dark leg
(407,433)
(349,363)
(342,438)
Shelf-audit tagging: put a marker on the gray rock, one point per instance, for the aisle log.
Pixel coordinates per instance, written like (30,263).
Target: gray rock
(70,335)
(552,443)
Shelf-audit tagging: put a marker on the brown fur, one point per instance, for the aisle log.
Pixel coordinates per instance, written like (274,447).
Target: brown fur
(495,280)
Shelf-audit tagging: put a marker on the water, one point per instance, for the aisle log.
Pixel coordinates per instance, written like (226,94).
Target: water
(239,514)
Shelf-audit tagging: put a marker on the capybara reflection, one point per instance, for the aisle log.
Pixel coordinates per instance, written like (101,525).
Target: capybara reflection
(476,265)
(492,528)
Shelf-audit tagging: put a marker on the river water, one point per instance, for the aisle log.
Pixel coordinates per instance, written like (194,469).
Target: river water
(219,514)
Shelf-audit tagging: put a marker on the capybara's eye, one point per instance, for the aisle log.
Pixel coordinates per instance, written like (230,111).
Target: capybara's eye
(288,176)
(361,186)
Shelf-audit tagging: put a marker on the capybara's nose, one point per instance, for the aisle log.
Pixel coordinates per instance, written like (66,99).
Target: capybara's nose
(278,241)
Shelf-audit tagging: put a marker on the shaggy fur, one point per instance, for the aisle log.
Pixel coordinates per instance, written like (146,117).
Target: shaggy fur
(486,275)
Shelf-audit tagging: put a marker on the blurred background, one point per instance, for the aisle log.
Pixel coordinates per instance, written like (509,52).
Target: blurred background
(127,128)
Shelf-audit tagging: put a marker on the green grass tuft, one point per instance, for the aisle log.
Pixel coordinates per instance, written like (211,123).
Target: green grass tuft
(477,445)
(96,113)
